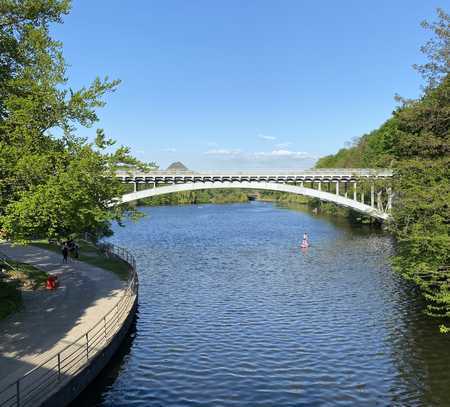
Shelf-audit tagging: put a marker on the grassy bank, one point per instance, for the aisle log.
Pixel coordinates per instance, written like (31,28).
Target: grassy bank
(90,254)
(14,278)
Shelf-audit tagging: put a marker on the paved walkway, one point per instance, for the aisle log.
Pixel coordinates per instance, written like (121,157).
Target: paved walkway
(52,319)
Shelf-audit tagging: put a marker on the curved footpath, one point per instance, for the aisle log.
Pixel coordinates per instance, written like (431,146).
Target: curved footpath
(52,319)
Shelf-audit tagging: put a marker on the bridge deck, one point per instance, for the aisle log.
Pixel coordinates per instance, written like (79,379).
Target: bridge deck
(344,174)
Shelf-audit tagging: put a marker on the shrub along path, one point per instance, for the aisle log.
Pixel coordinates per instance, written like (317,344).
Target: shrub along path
(51,319)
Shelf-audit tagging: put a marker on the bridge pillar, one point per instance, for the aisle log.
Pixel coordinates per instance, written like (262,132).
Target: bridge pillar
(362,197)
(389,203)
(379,201)
(319,186)
(372,196)
(337,187)
(135,186)
(354,192)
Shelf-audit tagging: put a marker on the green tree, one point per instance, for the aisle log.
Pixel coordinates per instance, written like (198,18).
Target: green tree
(415,142)
(50,185)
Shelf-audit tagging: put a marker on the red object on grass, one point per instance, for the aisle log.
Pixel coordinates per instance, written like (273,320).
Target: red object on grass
(52,282)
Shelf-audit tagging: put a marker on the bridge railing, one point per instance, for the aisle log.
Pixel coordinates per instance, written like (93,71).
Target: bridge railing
(280,172)
(35,386)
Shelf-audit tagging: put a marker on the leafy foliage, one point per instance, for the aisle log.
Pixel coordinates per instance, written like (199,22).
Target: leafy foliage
(415,142)
(50,186)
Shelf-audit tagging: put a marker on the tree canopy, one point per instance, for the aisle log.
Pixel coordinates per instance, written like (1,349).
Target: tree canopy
(53,183)
(415,142)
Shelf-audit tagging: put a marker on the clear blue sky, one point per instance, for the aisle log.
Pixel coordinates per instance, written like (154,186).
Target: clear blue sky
(245,84)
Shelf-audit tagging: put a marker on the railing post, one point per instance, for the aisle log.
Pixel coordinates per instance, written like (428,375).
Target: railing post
(87,346)
(18,393)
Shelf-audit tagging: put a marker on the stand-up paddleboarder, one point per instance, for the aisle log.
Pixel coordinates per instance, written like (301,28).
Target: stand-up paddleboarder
(305,242)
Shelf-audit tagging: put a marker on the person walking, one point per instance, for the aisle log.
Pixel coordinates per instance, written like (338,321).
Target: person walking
(65,252)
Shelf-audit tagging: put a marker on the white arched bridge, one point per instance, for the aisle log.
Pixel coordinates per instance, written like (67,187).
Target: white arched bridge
(364,190)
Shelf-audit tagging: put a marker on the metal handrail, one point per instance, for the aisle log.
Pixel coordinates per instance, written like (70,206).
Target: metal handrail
(61,366)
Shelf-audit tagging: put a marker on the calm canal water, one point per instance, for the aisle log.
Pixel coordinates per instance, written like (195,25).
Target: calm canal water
(233,313)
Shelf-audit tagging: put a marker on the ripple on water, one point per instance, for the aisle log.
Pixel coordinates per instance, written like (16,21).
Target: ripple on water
(232,313)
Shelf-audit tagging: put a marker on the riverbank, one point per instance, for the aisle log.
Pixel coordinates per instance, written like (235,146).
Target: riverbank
(50,320)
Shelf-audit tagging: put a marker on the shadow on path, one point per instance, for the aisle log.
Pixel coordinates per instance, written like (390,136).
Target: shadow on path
(51,319)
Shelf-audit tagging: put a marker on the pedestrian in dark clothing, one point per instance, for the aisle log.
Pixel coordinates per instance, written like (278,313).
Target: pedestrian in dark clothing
(70,245)
(65,252)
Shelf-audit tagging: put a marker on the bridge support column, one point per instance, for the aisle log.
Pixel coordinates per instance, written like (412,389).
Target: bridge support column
(135,186)
(372,196)
(354,192)
(337,188)
(379,201)
(346,189)
(319,186)
(389,202)
(362,197)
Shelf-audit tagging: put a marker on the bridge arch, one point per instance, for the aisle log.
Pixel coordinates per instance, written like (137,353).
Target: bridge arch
(269,186)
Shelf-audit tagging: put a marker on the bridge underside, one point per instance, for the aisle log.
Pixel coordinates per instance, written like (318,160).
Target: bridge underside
(269,186)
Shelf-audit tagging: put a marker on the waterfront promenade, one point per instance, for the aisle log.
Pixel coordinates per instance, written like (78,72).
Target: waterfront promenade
(50,320)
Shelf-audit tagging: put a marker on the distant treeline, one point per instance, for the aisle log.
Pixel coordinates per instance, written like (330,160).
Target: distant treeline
(282,197)
(217,196)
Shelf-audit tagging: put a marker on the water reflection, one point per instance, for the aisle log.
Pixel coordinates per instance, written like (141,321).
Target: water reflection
(232,313)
